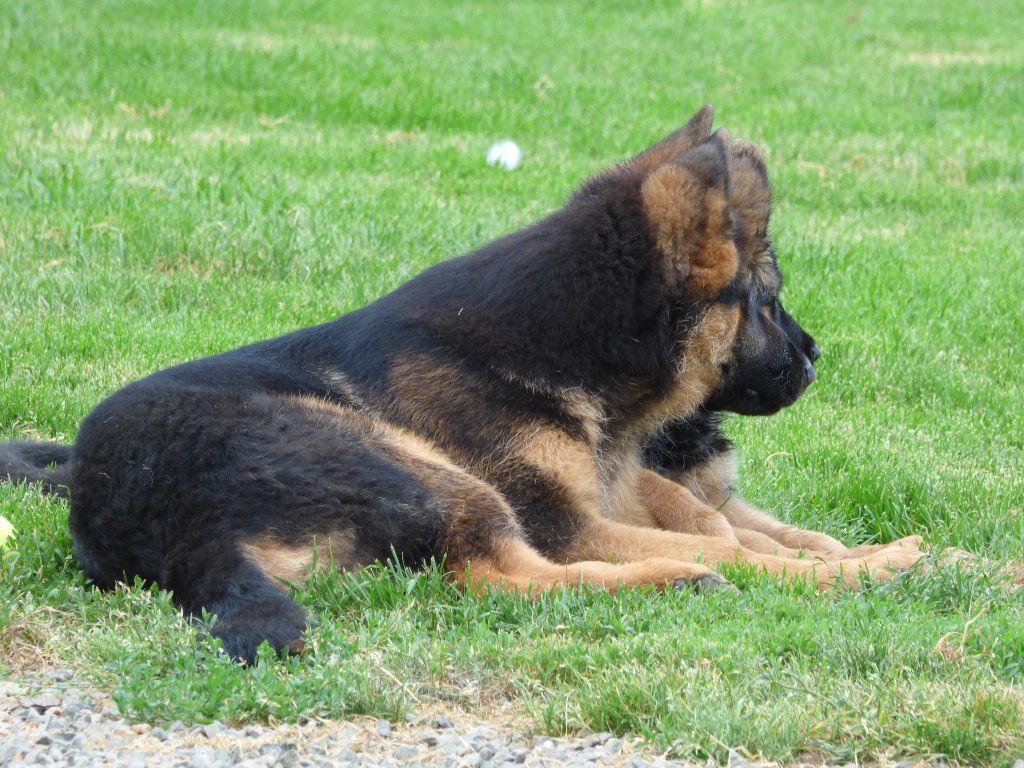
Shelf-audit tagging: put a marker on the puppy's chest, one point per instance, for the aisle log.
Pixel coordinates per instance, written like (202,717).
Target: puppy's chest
(618,468)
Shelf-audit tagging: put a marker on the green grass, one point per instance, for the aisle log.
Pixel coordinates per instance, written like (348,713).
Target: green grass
(180,178)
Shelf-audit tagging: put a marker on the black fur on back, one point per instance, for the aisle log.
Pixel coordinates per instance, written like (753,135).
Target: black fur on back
(575,298)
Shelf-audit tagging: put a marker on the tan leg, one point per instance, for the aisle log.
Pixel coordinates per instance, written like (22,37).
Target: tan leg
(483,542)
(759,542)
(742,514)
(515,566)
(609,540)
(714,483)
(675,508)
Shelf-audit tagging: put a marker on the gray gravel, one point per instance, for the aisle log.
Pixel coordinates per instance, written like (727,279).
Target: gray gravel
(51,720)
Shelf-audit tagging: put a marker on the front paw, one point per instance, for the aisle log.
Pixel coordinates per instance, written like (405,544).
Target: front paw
(887,563)
(906,544)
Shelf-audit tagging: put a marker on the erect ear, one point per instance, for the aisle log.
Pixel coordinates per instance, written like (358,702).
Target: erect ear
(750,193)
(676,143)
(686,203)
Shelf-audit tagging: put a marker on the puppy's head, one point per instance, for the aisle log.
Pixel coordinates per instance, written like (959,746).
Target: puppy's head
(707,201)
(773,357)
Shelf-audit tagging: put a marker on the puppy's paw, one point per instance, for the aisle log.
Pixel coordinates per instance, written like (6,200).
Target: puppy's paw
(889,563)
(281,623)
(906,544)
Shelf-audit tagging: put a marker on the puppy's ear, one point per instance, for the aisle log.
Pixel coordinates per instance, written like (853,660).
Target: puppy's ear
(676,143)
(686,203)
(750,193)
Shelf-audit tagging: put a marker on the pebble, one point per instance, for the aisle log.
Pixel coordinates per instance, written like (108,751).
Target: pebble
(49,720)
(406,752)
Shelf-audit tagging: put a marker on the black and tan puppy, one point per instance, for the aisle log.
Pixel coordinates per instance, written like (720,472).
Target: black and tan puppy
(489,413)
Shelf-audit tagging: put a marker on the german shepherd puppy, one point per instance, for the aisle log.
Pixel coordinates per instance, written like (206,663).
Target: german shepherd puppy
(778,364)
(490,414)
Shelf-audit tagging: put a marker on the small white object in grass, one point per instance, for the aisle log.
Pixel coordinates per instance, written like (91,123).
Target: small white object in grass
(506,153)
(6,531)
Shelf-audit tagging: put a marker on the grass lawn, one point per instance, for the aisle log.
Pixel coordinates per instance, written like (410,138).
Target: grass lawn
(180,178)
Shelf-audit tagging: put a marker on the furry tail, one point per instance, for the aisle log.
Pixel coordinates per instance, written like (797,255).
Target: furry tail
(46,463)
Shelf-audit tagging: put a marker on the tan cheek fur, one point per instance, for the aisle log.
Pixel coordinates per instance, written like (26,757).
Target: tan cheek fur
(708,347)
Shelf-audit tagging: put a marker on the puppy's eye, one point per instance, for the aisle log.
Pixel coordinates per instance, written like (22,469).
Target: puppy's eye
(770,306)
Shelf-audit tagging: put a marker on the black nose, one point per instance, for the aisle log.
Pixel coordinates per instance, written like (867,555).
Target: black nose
(809,368)
(814,352)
